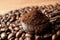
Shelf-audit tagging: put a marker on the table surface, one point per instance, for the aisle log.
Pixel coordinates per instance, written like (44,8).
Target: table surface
(8,5)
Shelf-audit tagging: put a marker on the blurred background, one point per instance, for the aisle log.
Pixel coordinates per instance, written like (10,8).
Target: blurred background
(8,5)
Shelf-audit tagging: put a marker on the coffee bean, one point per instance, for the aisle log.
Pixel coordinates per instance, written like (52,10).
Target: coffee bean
(16,39)
(58,33)
(28,35)
(4,29)
(10,27)
(10,35)
(8,23)
(37,37)
(11,38)
(21,38)
(3,35)
(27,38)
(12,19)
(3,24)
(47,35)
(0,38)
(20,27)
(16,28)
(0,25)
(54,37)
(18,34)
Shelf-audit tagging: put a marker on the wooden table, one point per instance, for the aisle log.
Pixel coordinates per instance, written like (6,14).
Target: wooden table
(7,5)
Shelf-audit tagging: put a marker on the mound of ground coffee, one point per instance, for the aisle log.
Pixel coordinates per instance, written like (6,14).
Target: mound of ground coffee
(34,21)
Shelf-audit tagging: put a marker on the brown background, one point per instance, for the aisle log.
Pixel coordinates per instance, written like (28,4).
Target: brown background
(7,5)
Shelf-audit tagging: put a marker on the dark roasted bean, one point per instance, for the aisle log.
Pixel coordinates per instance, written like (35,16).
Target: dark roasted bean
(27,38)
(37,37)
(11,38)
(21,38)
(3,35)
(54,36)
(58,33)
(16,39)
(19,33)
(10,35)
(47,35)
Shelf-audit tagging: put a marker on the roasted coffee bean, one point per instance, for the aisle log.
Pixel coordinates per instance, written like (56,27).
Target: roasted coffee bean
(11,35)
(3,35)
(3,24)
(37,37)
(11,38)
(11,28)
(19,33)
(22,11)
(54,37)
(20,27)
(21,38)
(28,35)
(16,28)
(23,35)
(0,25)
(27,38)
(16,39)
(3,29)
(58,33)
(12,19)
(8,32)
(27,9)
(58,6)
(47,35)
(0,38)
(8,23)
(17,13)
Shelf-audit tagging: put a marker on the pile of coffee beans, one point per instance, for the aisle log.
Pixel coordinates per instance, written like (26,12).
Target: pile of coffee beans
(11,27)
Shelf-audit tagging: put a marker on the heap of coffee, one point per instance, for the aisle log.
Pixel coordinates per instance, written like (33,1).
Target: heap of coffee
(34,21)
